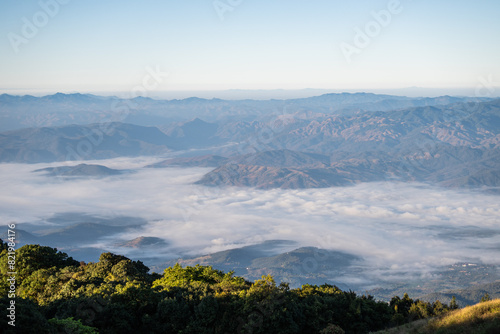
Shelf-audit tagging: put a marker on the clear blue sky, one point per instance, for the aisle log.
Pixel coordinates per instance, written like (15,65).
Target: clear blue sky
(97,45)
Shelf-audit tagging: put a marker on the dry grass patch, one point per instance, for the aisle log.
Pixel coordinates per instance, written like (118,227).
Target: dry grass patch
(479,318)
(482,318)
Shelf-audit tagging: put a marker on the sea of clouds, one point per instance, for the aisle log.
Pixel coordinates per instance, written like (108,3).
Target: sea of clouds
(394,227)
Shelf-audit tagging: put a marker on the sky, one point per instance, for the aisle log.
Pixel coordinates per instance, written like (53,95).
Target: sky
(201,45)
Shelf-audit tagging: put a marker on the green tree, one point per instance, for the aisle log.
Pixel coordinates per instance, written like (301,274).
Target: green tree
(453,303)
(31,258)
(438,308)
(28,318)
(175,314)
(3,246)
(69,325)
(117,294)
(485,298)
(401,305)
(201,277)
(420,310)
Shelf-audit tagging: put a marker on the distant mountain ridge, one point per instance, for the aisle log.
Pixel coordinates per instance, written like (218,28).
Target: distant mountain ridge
(75,142)
(64,109)
(317,143)
(456,146)
(141,242)
(280,258)
(81,170)
(197,161)
(450,167)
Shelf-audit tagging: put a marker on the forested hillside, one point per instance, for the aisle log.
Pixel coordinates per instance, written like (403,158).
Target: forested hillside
(55,293)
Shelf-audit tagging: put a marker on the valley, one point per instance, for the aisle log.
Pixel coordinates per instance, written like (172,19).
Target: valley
(380,200)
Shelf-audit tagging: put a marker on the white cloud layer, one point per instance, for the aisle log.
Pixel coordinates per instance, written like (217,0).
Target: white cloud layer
(393,226)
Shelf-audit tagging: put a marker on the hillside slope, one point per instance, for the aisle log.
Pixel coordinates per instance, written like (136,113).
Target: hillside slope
(482,318)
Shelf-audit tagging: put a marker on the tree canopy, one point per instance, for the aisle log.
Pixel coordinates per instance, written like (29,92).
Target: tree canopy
(56,293)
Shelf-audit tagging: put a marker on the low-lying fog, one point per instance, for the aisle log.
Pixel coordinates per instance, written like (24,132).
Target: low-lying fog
(395,227)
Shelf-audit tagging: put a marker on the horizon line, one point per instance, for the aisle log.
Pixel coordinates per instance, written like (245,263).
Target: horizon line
(239,93)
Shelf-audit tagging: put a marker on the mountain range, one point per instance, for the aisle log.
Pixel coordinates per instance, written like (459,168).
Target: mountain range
(324,141)
(449,166)
(78,142)
(286,262)
(279,258)
(332,140)
(66,109)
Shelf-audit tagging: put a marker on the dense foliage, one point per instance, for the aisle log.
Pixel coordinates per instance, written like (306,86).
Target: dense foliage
(117,295)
